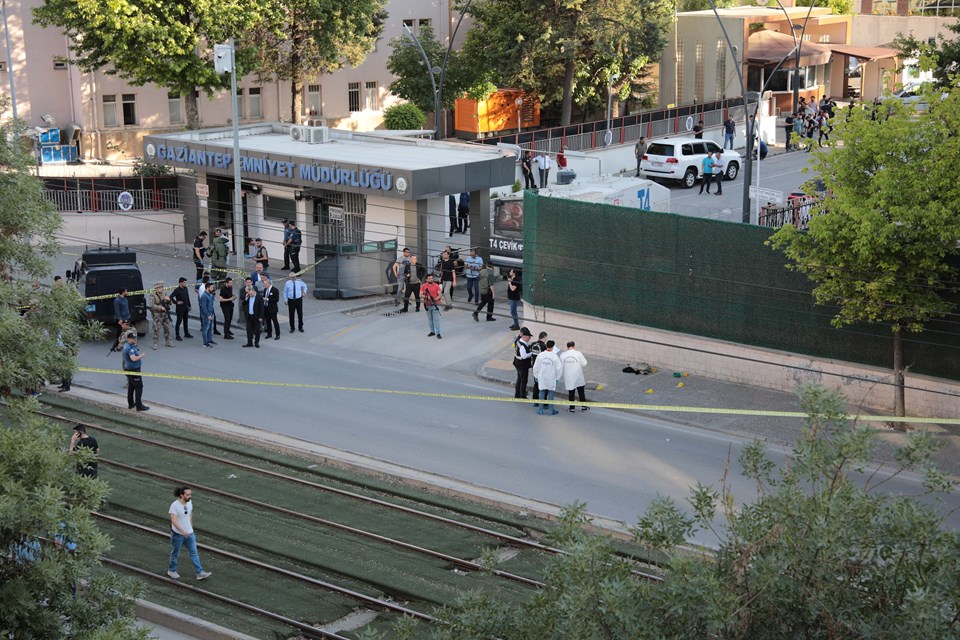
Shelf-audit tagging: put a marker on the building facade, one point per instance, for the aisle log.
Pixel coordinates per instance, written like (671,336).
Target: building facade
(113,116)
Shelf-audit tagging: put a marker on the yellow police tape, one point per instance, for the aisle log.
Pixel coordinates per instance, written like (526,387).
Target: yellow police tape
(457,396)
(142,292)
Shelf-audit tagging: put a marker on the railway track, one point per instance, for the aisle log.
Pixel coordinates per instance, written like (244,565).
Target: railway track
(296,531)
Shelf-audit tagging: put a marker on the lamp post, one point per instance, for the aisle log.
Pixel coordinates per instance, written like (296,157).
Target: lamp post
(608,135)
(432,72)
(446,56)
(748,121)
(225,59)
(519,103)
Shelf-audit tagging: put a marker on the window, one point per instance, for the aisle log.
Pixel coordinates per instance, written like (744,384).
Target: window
(371,98)
(313,103)
(686,149)
(699,148)
(353,96)
(680,73)
(3,66)
(712,147)
(275,208)
(241,114)
(721,70)
(110,111)
(175,107)
(780,80)
(425,22)
(409,24)
(256,110)
(129,109)
(699,71)
(59,65)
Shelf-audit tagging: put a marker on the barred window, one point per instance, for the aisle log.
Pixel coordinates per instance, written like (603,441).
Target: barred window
(721,69)
(700,73)
(680,72)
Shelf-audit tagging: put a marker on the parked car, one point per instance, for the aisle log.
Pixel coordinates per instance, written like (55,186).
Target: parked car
(913,95)
(682,159)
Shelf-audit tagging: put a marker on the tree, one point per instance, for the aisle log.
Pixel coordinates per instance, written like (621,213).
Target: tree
(44,505)
(33,321)
(822,553)
(837,7)
(404,116)
(703,5)
(568,50)
(304,38)
(878,247)
(165,43)
(413,78)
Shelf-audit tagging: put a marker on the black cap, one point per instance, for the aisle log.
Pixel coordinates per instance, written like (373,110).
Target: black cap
(525,332)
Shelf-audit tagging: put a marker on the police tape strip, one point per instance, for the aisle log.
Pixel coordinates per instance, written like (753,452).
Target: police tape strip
(171,287)
(559,402)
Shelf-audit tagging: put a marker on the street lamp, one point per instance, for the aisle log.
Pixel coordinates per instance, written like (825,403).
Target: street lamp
(225,60)
(608,134)
(432,72)
(748,121)
(519,103)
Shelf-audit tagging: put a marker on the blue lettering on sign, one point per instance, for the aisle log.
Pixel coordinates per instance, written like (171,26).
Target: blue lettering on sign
(643,195)
(373,179)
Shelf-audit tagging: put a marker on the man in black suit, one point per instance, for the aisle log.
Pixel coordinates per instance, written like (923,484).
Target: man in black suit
(252,305)
(271,307)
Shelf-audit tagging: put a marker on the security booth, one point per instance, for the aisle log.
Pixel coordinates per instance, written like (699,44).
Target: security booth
(340,187)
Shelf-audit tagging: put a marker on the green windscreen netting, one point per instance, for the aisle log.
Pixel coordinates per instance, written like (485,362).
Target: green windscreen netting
(705,277)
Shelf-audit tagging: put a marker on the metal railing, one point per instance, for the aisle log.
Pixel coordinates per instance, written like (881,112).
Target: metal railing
(649,124)
(797,211)
(109,200)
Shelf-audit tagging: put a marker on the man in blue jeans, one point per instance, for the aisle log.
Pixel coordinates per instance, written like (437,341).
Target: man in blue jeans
(207,314)
(729,130)
(471,269)
(181,533)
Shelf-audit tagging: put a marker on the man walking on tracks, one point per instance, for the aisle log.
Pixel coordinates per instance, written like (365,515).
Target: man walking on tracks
(181,533)
(160,314)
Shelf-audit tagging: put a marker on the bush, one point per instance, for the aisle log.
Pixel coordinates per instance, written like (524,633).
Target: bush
(404,116)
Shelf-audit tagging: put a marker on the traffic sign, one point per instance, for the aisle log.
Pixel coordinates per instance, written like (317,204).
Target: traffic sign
(767,195)
(203,190)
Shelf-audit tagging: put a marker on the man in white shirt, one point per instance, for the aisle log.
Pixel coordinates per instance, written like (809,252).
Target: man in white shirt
(293,291)
(181,532)
(547,370)
(544,163)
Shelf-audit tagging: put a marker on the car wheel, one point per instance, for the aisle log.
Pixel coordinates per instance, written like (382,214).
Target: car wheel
(733,170)
(689,178)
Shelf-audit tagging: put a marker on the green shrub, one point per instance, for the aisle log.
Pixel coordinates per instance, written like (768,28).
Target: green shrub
(404,116)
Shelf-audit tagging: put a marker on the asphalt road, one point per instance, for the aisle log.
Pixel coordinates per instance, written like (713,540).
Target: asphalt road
(782,172)
(615,461)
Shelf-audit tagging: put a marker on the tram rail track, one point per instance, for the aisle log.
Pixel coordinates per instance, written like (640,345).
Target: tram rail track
(499,536)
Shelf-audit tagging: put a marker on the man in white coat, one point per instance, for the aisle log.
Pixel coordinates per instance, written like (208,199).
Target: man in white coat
(572,363)
(547,372)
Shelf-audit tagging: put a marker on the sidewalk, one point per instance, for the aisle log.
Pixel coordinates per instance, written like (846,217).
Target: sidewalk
(606,382)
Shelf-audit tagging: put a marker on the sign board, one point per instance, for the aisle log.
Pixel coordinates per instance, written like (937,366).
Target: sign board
(125,201)
(643,195)
(203,190)
(767,195)
(336,214)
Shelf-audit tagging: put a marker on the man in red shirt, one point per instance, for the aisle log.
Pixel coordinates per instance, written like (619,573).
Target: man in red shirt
(432,298)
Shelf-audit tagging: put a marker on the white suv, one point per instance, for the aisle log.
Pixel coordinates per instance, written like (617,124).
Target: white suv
(682,159)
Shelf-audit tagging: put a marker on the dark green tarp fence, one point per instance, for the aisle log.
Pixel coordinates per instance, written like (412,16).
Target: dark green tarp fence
(704,277)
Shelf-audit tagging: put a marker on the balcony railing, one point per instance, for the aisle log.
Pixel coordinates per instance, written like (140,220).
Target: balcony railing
(797,211)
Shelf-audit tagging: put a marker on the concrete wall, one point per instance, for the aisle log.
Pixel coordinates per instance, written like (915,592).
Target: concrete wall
(879,31)
(706,357)
(134,228)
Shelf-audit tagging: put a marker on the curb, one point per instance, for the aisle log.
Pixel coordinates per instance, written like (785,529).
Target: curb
(188,625)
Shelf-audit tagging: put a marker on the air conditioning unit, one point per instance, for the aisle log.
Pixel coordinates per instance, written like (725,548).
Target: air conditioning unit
(315,122)
(317,135)
(298,134)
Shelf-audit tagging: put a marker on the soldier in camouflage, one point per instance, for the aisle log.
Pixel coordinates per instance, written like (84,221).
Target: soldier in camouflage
(160,314)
